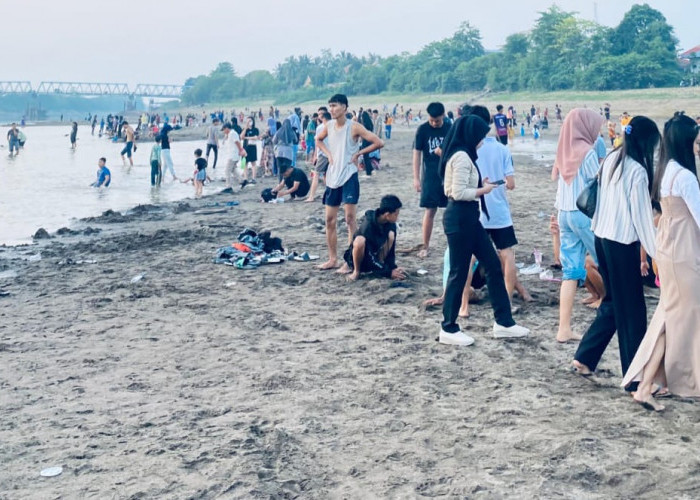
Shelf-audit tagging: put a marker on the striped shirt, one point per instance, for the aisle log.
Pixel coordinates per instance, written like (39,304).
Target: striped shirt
(624,210)
(567,193)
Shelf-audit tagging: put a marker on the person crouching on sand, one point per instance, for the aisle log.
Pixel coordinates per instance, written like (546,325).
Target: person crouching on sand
(373,248)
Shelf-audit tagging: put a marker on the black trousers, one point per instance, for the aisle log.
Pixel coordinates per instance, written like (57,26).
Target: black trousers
(216,152)
(623,309)
(466,237)
(368,164)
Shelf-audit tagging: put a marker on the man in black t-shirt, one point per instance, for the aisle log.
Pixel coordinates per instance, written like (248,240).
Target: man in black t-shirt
(427,181)
(296,183)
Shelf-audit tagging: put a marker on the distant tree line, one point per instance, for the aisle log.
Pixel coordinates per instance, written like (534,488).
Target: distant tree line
(562,51)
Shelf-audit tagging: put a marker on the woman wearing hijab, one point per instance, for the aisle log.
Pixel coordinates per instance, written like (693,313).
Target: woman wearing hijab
(466,236)
(576,165)
(670,352)
(366,121)
(283,143)
(622,224)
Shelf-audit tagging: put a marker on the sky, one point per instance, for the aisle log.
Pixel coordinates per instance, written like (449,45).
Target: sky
(167,41)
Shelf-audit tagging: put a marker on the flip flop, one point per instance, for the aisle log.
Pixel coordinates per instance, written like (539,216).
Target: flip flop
(305,257)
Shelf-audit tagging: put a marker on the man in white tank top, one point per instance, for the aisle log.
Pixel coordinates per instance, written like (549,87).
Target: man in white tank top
(342,183)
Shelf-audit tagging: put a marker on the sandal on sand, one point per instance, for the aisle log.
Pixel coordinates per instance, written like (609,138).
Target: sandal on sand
(305,257)
(651,405)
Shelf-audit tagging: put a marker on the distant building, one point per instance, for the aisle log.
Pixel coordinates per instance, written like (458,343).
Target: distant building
(690,60)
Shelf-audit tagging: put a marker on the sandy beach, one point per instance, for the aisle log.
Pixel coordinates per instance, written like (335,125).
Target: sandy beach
(203,381)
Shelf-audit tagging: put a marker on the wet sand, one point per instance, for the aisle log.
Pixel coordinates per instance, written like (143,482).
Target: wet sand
(203,381)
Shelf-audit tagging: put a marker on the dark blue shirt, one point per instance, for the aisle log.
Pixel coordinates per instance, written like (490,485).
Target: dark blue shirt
(102,174)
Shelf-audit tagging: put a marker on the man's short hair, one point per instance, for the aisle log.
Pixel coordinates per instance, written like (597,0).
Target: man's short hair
(436,109)
(158,138)
(326,115)
(338,99)
(375,111)
(125,122)
(198,152)
(499,108)
(103,159)
(323,109)
(215,120)
(389,204)
(226,126)
(478,110)
(315,115)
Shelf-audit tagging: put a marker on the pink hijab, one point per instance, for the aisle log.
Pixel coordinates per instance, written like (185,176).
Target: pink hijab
(578,134)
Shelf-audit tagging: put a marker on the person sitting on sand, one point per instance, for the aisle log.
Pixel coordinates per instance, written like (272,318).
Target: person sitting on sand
(104,176)
(295,181)
(373,248)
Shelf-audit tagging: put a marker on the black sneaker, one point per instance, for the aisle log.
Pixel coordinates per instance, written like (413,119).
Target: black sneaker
(244,183)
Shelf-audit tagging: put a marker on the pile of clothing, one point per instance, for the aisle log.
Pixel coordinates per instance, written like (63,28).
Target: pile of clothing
(251,250)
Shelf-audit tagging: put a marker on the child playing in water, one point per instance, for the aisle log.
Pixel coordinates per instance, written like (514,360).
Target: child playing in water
(104,176)
(200,174)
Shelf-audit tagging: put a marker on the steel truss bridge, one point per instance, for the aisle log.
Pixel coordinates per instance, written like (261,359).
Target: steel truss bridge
(92,89)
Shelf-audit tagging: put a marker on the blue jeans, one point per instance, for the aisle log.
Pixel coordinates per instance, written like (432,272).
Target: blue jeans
(576,239)
(387,131)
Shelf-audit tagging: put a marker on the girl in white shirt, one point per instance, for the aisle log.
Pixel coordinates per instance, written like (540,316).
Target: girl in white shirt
(623,222)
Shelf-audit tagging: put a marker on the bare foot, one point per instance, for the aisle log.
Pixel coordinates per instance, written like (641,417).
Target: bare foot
(581,369)
(526,297)
(565,337)
(345,269)
(595,305)
(309,200)
(329,264)
(463,313)
(352,277)
(423,253)
(589,299)
(433,302)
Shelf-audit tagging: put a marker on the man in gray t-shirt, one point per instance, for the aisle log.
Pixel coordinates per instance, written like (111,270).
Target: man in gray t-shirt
(213,140)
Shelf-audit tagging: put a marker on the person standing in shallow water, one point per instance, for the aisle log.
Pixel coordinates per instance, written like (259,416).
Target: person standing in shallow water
(74,135)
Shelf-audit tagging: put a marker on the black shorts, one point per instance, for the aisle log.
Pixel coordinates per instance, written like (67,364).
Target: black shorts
(251,153)
(348,193)
(503,237)
(503,139)
(321,165)
(432,193)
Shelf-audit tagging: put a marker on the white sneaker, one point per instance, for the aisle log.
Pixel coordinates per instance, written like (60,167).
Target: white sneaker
(511,332)
(458,338)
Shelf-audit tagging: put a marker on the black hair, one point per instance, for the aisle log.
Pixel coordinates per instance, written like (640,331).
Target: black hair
(252,118)
(125,122)
(326,115)
(198,152)
(641,138)
(338,99)
(375,111)
(323,109)
(499,108)
(680,133)
(435,109)
(388,205)
(157,138)
(477,110)
(315,115)
(103,159)
(451,115)
(366,121)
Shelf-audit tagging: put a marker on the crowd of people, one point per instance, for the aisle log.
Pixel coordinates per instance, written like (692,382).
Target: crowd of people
(642,230)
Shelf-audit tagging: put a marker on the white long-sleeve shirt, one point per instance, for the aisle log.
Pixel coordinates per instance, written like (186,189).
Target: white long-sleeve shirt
(461,177)
(685,186)
(624,211)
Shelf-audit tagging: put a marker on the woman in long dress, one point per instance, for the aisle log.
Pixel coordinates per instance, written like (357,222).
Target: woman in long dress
(670,351)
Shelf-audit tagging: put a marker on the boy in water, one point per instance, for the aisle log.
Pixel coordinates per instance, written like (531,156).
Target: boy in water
(129,132)
(104,176)
(373,248)
(156,166)
(200,173)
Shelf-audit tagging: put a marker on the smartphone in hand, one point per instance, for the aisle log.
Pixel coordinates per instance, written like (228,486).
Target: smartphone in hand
(498,182)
